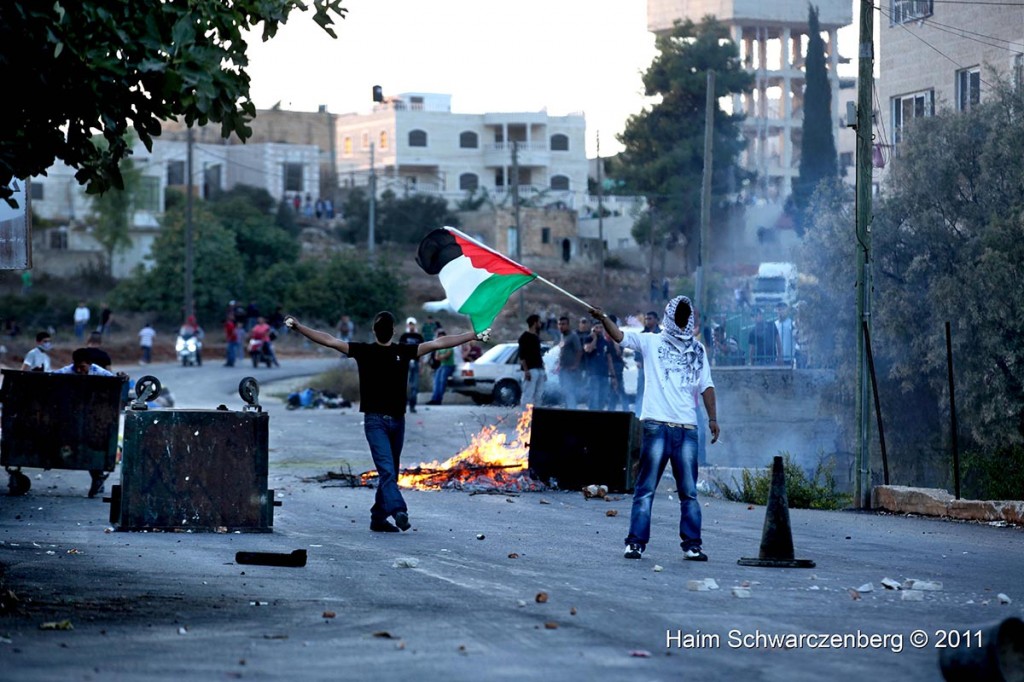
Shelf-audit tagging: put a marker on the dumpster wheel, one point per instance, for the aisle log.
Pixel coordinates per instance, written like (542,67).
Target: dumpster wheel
(146,388)
(249,391)
(18,483)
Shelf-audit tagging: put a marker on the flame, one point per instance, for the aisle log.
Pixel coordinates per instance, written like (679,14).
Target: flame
(490,461)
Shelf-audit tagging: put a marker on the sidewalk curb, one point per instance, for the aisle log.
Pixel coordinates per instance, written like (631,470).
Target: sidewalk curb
(937,502)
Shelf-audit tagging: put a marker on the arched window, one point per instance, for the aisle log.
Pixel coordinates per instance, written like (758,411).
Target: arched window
(559,182)
(559,143)
(469,182)
(347,146)
(469,140)
(417,138)
(383,139)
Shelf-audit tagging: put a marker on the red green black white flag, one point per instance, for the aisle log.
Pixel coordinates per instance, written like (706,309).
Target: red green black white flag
(477,280)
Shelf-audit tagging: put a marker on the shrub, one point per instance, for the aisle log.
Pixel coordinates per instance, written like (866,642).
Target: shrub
(995,475)
(803,492)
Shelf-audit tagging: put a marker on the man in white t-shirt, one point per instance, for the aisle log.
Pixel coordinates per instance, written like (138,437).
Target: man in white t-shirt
(81,319)
(677,369)
(39,357)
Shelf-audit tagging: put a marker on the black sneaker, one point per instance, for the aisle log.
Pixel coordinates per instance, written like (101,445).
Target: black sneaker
(694,554)
(383,527)
(633,551)
(97,485)
(402,520)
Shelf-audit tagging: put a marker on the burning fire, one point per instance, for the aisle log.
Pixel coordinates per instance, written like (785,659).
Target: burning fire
(489,462)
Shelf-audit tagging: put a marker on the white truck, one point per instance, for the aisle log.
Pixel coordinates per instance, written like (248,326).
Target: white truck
(775,283)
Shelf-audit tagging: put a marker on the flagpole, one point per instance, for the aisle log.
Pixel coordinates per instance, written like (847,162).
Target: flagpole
(539,278)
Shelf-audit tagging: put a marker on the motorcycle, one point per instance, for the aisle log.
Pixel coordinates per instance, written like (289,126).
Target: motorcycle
(259,352)
(188,349)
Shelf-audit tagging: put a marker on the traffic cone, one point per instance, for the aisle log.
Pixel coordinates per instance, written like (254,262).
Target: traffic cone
(777,538)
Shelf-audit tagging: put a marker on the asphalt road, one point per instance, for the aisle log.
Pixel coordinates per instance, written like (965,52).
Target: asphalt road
(175,605)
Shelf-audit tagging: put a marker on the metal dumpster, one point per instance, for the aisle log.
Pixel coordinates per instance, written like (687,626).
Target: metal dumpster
(199,470)
(58,421)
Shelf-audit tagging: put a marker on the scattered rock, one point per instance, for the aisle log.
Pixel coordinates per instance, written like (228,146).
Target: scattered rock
(595,491)
(658,568)
(66,625)
(541,598)
(866,587)
(912,595)
(639,653)
(741,593)
(925,585)
(704,585)
(513,555)
(329,614)
(551,625)
(890,584)
(520,603)
(480,536)
(543,501)
(383,634)
(572,611)
(1003,598)
(854,594)
(183,630)
(814,588)
(611,512)
(405,562)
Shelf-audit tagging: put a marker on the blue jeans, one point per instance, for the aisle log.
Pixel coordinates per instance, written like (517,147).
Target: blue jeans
(663,444)
(440,382)
(413,384)
(385,434)
(231,353)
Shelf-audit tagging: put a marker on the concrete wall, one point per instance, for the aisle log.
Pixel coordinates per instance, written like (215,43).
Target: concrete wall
(765,411)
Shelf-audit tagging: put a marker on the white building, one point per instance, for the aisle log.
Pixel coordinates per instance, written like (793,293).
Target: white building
(281,169)
(415,143)
(772,37)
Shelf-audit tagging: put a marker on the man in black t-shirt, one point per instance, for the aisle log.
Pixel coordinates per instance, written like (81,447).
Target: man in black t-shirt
(383,375)
(412,337)
(532,363)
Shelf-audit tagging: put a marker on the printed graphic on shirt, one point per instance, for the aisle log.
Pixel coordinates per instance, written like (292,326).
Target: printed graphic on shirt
(682,369)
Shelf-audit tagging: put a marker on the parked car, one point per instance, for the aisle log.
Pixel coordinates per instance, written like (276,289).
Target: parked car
(495,377)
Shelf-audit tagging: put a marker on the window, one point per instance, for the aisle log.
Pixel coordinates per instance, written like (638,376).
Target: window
(383,139)
(559,143)
(469,182)
(147,195)
(968,88)
(417,138)
(365,142)
(469,140)
(416,103)
(545,235)
(559,182)
(908,107)
(904,11)
(212,183)
(499,177)
(175,172)
(346,146)
(36,191)
(59,239)
(292,177)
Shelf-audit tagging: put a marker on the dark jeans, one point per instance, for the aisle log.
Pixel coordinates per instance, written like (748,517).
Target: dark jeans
(441,375)
(663,444)
(413,384)
(385,434)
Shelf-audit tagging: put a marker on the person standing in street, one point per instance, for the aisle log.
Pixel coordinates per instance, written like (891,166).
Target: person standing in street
(446,366)
(81,319)
(677,370)
(231,340)
(413,338)
(146,335)
(383,380)
(570,355)
(532,363)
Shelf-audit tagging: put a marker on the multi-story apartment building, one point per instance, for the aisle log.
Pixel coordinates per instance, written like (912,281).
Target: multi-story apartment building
(772,37)
(415,143)
(943,55)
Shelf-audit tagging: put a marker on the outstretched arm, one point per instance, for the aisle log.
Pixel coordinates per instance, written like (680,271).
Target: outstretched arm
(613,330)
(445,342)
(322,338)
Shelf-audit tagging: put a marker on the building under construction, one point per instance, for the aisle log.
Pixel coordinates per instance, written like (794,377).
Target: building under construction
(772,37)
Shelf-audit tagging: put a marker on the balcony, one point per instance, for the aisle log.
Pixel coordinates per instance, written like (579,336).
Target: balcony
(534,153)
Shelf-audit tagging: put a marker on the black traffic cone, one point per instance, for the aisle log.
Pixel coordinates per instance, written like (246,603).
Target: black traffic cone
(777,538)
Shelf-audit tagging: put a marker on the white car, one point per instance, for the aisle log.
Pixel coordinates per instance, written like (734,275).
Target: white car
(496,377)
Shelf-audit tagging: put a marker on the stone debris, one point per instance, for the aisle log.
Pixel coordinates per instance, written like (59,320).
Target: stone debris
(926,585)
(183,630)
(866,587)
(640,653)
(854,594)
(521,603)
(741,593)
(890,584)
(595,491)
(57,625)
(541,598)
(551,625)
(611,512)
(912,595)
(814,588)
(329,614)
(480,536)
(405,562)
(513,555)
(705,585)
(658,568)
(1003,598)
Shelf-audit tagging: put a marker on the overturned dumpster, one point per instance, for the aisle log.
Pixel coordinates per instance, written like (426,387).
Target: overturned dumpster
(198,470)
(58,421)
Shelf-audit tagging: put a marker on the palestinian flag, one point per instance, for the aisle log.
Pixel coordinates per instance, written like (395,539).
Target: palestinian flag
(478,280)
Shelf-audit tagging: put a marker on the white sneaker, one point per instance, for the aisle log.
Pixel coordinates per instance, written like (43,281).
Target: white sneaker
(694,554)
(633,551)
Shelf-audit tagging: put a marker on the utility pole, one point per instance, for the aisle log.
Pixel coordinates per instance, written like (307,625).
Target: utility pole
(705,196)
(865,84)
(600,208)
(189,254)
(373,203)
(519,228)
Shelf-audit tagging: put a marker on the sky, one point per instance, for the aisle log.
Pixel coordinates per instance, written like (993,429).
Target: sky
(565,56)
